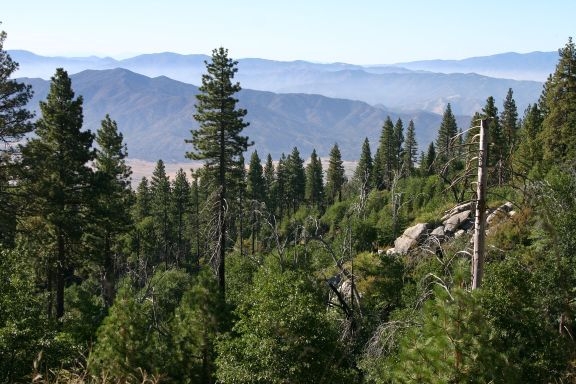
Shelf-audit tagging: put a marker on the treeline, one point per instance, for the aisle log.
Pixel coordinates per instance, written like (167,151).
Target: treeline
(270,270)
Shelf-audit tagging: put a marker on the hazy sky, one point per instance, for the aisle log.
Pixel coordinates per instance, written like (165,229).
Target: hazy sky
(357,32)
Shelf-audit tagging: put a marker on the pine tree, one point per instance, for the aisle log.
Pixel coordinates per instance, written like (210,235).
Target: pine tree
(255,182)
(364,169)
(509,120)
(112,200)
(445,142)
(256,190)
(14,124)
(219,141)
(142,240)
(180,212)
(529,152)
(58,179)
(385,160)
(269,181)
(280,188)
(496,148)
(314,181)
(410,151)
(509,128)
(398,145)
(428,161)
(335,178)
(143,200)
(195,219)
(295,180)
(238,195)
(14,117)
(161,202)
(558,103)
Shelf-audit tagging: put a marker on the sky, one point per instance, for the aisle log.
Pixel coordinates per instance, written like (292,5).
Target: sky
(360,32)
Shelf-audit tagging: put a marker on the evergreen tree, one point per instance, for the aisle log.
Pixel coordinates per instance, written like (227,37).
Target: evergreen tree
(269,180)
(142,239)
(335,178)
(450,344)
(410,151)
(256,190)
(509,120)
(58,180)
(143,201)
(255,182)
(160,209)
(14,117)
(398,145)
(219,141)
(384,160)
(428,161)
(445,142)
(113,198)
(281,189)
(195,221)
(180,212)
(314,181)
(14,124)
(558,103)
(295,180)
(529,151)
(237,219)
(496,148)
(364,169)
(509,128)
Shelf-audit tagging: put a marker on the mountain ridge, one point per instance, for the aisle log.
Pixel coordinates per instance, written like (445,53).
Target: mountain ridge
(395,87)
(155,115)
(309,105)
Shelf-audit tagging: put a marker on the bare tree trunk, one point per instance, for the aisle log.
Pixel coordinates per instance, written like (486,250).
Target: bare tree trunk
(480,221)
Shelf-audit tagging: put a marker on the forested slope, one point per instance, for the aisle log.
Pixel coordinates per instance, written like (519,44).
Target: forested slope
(262,269)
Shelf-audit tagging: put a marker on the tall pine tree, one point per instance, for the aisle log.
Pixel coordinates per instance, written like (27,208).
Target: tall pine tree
(335,177)
(161,199)
(445,142)
(59,181)
(314,181)
(385,158)
(410,151)
(180,211)
(14,124)
(295,180)
(558,103)
(364,168)
(112,201)
(218,140)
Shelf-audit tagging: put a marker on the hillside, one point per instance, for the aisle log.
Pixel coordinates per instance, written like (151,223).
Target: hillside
(155,116)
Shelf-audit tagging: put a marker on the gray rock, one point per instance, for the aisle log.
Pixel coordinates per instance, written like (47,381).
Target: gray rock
(454,222)
(410,238)
(438,232)
(459,233)
(457,209)
(502,211)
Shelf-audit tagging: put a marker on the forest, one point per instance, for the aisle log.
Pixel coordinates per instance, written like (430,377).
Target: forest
(260,270)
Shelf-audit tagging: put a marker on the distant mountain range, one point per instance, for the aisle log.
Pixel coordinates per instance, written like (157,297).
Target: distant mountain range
(303,104)
(155,116)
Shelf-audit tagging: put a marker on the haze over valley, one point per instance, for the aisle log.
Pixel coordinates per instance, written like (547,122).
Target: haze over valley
(297,103)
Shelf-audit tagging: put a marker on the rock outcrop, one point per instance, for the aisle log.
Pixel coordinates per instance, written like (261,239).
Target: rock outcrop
(455,223)
(410,238)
